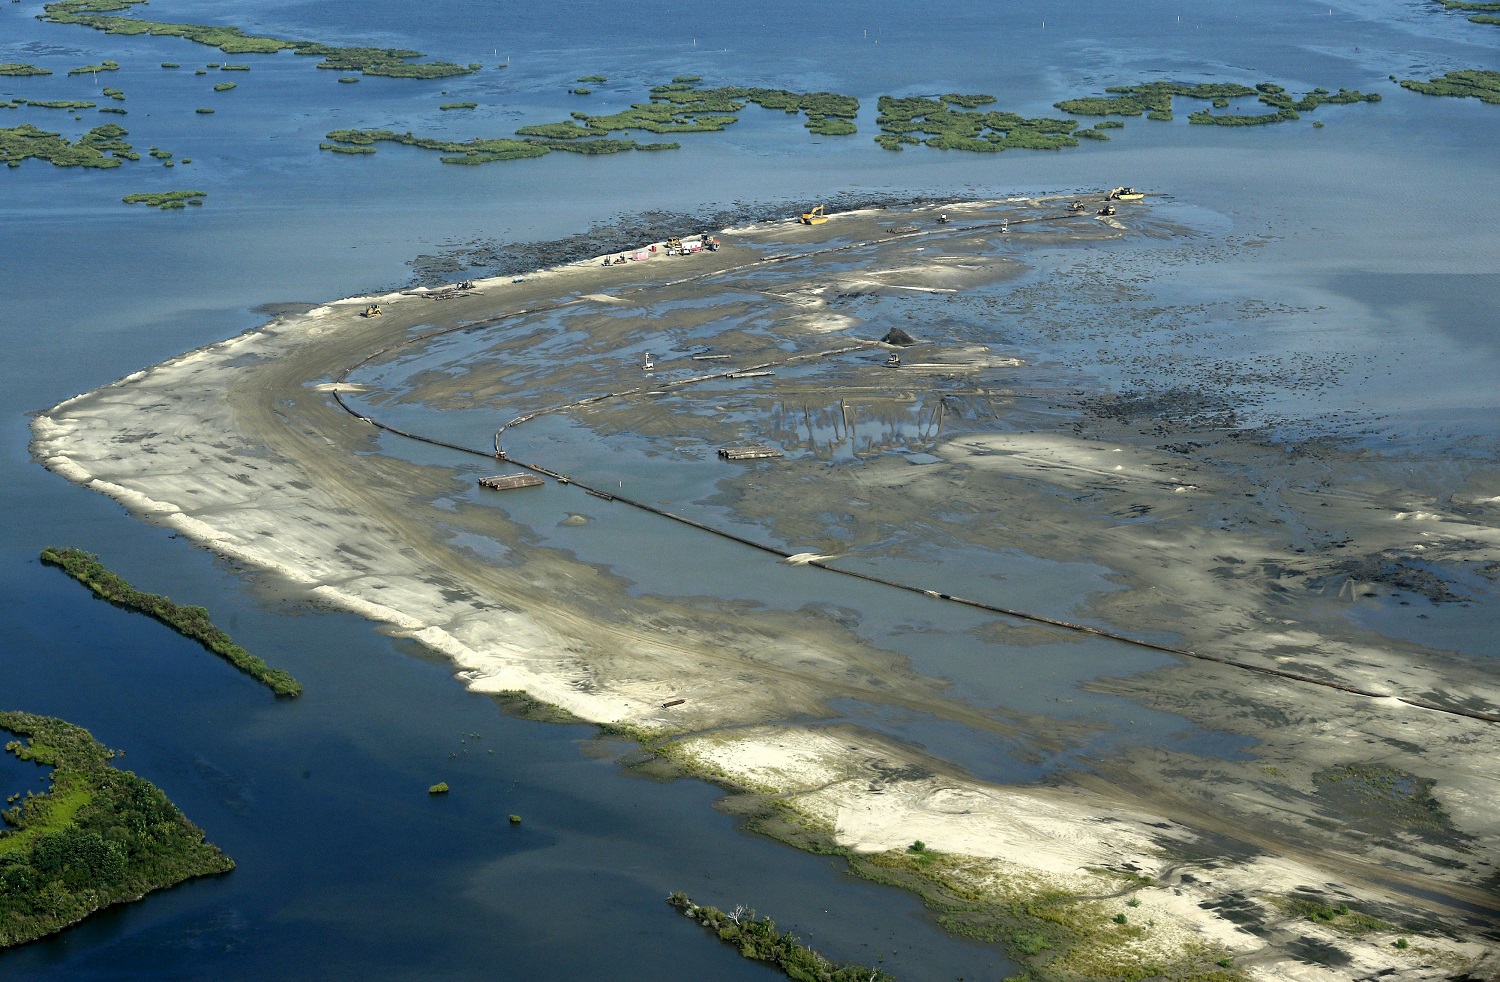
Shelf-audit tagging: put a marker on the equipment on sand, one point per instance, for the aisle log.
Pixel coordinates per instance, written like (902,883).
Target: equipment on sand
(814,217)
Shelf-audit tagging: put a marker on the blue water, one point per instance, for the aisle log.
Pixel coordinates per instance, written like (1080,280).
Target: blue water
(347,868)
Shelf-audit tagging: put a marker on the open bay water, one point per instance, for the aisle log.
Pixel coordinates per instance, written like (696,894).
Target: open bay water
(1379,222)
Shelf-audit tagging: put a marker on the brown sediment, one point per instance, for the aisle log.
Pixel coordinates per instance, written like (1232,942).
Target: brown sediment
(244,447)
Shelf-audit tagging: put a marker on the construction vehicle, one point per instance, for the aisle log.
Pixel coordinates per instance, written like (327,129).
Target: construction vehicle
(371,311)
(1125,194)
(1108,209)
(814,217)
(1076,206)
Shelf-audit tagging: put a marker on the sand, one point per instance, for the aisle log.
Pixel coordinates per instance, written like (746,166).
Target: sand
(241,447)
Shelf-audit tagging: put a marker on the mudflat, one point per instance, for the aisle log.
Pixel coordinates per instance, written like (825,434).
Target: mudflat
(1332,821)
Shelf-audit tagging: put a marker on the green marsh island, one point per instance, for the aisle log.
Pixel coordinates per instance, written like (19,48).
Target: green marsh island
(191,622)
(101,147)
(757,939)
(103,15)
(98,836)
(1471,84)
(166,200)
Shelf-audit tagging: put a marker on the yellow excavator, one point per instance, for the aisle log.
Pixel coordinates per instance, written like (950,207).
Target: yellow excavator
(371,311)
(1125,194)
(814,217)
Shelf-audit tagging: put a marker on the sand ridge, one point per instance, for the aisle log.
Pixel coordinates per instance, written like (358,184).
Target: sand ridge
(237,445)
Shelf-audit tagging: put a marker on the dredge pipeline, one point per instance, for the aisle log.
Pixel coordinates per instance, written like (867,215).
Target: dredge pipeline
(822,564)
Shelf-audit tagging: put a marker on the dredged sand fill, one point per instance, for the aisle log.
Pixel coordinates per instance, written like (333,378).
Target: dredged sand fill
(241,446)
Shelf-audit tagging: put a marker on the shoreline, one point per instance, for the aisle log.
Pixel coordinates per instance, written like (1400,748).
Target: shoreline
(609,671)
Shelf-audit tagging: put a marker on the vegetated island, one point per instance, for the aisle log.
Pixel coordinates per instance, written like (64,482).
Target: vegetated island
(166,200)
(1154,100)
(676,107)
(190,622)
(22,142)
(1472,84)
(17,69)
(103,66)
(98,836)
(101,15)
(1480,11)
(757,939)
(955,121)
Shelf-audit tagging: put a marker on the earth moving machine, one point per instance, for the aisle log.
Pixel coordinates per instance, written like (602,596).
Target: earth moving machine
(814,217)
(1125,194)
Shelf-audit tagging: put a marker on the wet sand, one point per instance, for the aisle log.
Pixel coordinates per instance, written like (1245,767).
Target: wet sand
(1219,541)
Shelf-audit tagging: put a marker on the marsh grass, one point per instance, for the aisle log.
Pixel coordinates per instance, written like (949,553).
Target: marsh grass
(1467,84)
(757,939)
(68,104)
(27,142)
(190,622)
(1154,100)
(102,15)
(916,119)
(103,66)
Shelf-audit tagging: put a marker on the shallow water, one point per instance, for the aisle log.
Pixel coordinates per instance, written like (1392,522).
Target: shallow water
(1376,239)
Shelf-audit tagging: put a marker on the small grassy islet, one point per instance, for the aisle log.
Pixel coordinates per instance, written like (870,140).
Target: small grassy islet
(1467,84)
(68,104)
(22,142)
(190,622)
(677,107)
(98,836)
(1480,11)
(19,70)
(757,939)
(102,15)
(103,66)
(916,120)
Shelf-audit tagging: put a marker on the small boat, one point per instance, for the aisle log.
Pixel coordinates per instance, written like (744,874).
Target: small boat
(814,217)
